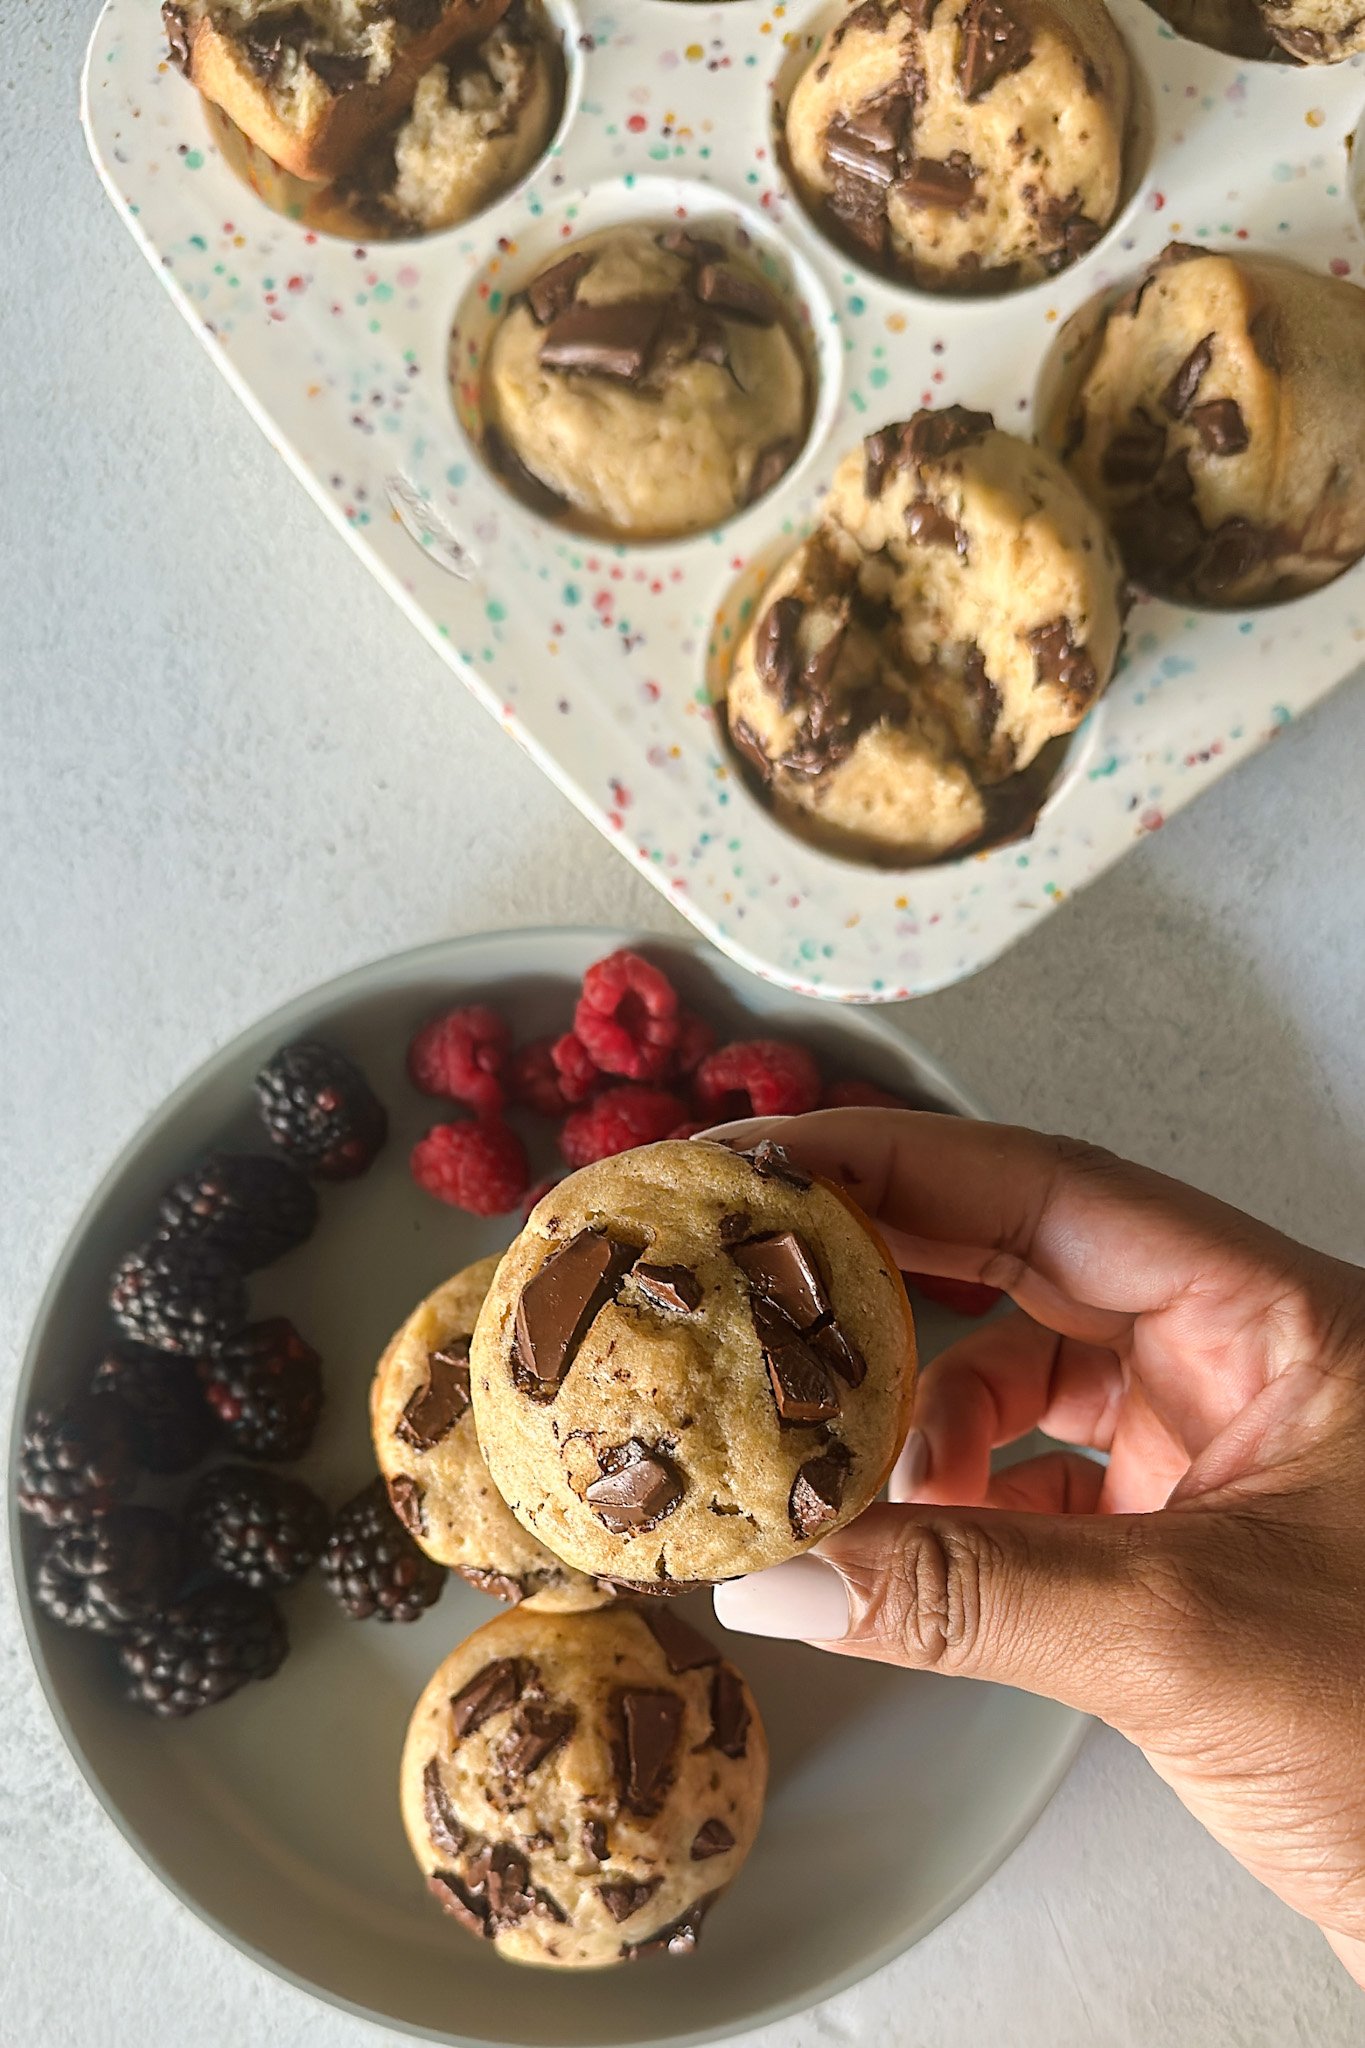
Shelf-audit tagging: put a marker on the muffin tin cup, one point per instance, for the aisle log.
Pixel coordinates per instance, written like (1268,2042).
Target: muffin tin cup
(601,657)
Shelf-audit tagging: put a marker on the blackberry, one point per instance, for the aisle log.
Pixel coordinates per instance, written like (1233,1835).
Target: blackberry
(183,1298)
(172,1425)
(111,1573)
(77,1460)
(372,1564)
(321,1111)
(265,1388)
(203,1649)
(248,1206)
(255,1526)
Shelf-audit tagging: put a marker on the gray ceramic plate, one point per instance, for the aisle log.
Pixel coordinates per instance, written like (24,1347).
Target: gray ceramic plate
(275,1816)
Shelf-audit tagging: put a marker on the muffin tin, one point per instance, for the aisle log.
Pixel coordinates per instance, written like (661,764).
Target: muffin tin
(601,657)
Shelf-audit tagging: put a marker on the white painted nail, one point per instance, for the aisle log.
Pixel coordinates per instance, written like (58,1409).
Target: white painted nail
(911,1468)
(803,1600)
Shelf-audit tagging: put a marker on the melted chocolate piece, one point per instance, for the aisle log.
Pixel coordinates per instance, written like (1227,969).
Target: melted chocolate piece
(932,527)
(948,184)
(449,1889)
(712,1838)
(866,15)
(990,44)
(646,1589)
(736,296)
(678,1940)
(1220,426)
(637,1488)
(443,1825)
(1178,396)
(833,1348)
(776,655)
(770,464)
(552,293)
(530,488)
(1058,659)
(1076,237)
(490,1691)
(802,1389)
(337,70)
(1162,531)
(1308,44)
(782,1271)
(537,1730)
(866,144)
(732,1227)
(651,1725)
(623,1896)
(770,1162)
(486,1580)
(692,248)
(558,1306)
(982,691)
(271,37)
(499,1877)
(434,1409)
(614,340)
(1231,551)
(595,1840)
(748,743)
(674,1290)
(685,1648)
(881,454)
(1135,455)
(818,1491)
(407,1499)
(729,1713)
(930,435)
(176,23)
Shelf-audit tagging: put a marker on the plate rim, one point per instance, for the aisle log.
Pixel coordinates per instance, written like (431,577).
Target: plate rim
(1073,1727)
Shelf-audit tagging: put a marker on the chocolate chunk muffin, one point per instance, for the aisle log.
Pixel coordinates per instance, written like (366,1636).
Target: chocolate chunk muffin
(959,606)
(964,144)
(579,1790)
(1299,31)
(645,383)
(1218,419)
(692,1363)
(425,1443)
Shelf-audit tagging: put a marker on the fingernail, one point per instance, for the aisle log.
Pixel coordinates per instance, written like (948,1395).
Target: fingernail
(911,1468)
(803,1599)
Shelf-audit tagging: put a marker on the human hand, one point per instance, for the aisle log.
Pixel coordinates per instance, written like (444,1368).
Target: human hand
(1204,1592)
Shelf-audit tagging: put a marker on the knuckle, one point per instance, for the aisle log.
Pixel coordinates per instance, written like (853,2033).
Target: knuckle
(937,1592)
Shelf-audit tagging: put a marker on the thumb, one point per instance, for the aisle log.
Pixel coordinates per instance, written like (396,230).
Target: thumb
(1082,1608)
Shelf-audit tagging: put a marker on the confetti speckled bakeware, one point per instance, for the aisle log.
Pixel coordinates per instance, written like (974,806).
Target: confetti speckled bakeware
(596,656)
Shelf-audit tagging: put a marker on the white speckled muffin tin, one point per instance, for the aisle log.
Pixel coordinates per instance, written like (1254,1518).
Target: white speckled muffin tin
(598,657)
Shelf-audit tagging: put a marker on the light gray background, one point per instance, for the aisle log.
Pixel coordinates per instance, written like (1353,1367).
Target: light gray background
(230,770)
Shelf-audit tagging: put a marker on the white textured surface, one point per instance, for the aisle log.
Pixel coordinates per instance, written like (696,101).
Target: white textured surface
(227,770)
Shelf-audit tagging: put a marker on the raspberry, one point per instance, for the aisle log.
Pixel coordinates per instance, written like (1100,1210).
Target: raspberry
(579,1073)
(696,1038)
(534,1079)
(627,1017)
(462,1054)
(963,1297)
(618,1120)
(757,1077)
(686,1131)
(480,1167)
(539,1192)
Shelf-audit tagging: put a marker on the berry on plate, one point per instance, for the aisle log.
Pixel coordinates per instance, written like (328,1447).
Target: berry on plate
(76,1460)
(756,1077)
(321,1111)
(372,1564)
(172,1425)
(203,1650)
(256,1526)
(186,1298)
(110,1573)
(480,1167)
(619,1119)
(462,1055)
(627,1017)
(249,1206)
(266,1390)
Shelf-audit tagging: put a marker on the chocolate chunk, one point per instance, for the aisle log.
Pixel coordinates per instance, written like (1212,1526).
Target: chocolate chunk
(558,1306)
(486,1580)
(833,1349)
(1230,553)
(932,435)
(1264,331)
(781,1269)
(490,1691)
(673,1289)
(434,1409)
(1178,396)
(612,340)
(1136,454)
(176,23)
(932,527)
(530,488)
(990,44)
(678,1940)
(685,1648)
(1308,44)
(646,1589)
(637,1488)
(771,1162)
(859,209)
(450,1890)
(729,1713)
(1220,426)
(777,657)
(712,1838)
(1162,531)
(802,1388)
(881,454)
(732,1227)
(417,15)
(553,291)
(595,1840)
(866,15)
(501,1877)
(984,696)
(442,1824)
(536,1731)
(1076,237)
(1058,659)
(736,296)
(748,743)
(623,1896)
(688,333)
(770,464)
(818,1491)
(927,181)
(651,1725)
(407,1499)
(338,71)
(272,37)
(692,248)
(866,144)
